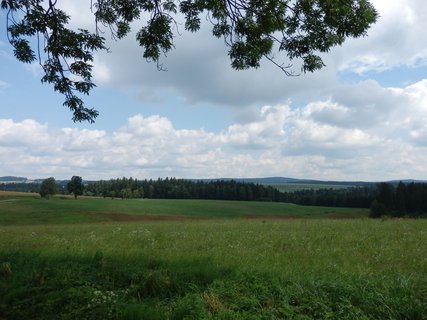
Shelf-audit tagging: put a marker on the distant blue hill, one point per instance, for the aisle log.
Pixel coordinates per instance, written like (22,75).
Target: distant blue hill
(281,180)
(406,181)
(266,180)
(13,179)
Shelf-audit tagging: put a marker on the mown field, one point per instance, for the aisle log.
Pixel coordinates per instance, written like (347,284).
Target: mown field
(164,259)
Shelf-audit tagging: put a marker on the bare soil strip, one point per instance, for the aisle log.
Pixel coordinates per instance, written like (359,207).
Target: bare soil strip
(17,193)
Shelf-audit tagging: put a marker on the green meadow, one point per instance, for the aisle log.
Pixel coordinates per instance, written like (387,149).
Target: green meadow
(186,259)
(62,209)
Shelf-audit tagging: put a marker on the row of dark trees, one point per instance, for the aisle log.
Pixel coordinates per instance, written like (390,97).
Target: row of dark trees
(171,188)
(352,197)
(398,201)
(383,199)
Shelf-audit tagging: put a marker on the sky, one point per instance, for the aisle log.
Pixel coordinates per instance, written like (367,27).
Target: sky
(362,117)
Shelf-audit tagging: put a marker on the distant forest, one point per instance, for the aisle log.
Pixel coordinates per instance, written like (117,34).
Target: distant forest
(171,188)
(383,199)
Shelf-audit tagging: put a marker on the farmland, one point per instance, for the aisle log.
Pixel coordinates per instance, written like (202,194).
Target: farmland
(99,258)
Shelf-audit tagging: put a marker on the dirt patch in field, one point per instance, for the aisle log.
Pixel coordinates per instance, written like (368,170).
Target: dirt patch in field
(123,217)
(17,193)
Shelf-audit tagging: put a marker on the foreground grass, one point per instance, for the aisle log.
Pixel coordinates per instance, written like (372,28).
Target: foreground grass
(26,210)
(218,269)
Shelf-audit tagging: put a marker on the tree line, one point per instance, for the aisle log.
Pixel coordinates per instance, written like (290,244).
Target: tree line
(401,200)
(383,199)
(352,197)
(172,188)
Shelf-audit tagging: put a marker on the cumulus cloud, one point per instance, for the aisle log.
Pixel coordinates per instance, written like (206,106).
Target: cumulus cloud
(309,126)
(319,140)
(199,69)
(393,41)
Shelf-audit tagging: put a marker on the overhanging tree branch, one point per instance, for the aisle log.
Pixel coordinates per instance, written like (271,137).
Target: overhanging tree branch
(252,29)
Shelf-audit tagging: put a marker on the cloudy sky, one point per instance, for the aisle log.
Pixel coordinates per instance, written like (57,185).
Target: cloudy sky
(362,117)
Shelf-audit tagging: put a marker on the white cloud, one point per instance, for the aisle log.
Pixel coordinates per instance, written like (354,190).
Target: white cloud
(260,133)
(395,40)
(199,69)
(101,73)
(330,131)
(318,140)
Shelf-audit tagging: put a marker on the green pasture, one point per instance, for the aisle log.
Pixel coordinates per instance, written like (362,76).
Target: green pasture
(214,264)
(58,209)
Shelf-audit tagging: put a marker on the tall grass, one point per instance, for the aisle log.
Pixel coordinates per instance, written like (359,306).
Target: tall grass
(219,269)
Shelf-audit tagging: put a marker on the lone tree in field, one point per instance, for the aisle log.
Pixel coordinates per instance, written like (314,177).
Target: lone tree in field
(48,188)
(75,186)
(252,30)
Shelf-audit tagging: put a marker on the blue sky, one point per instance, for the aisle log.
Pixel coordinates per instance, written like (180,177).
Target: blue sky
(362,117)
(25,97)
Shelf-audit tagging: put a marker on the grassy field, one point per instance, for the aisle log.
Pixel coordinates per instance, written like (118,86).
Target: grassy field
(35,210)
(207,262)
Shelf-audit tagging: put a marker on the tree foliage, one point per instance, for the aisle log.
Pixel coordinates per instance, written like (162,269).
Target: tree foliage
(171,188)
(403,199)
(252,30)
(75,186)
(48,188)
(383,199)
(352,197)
